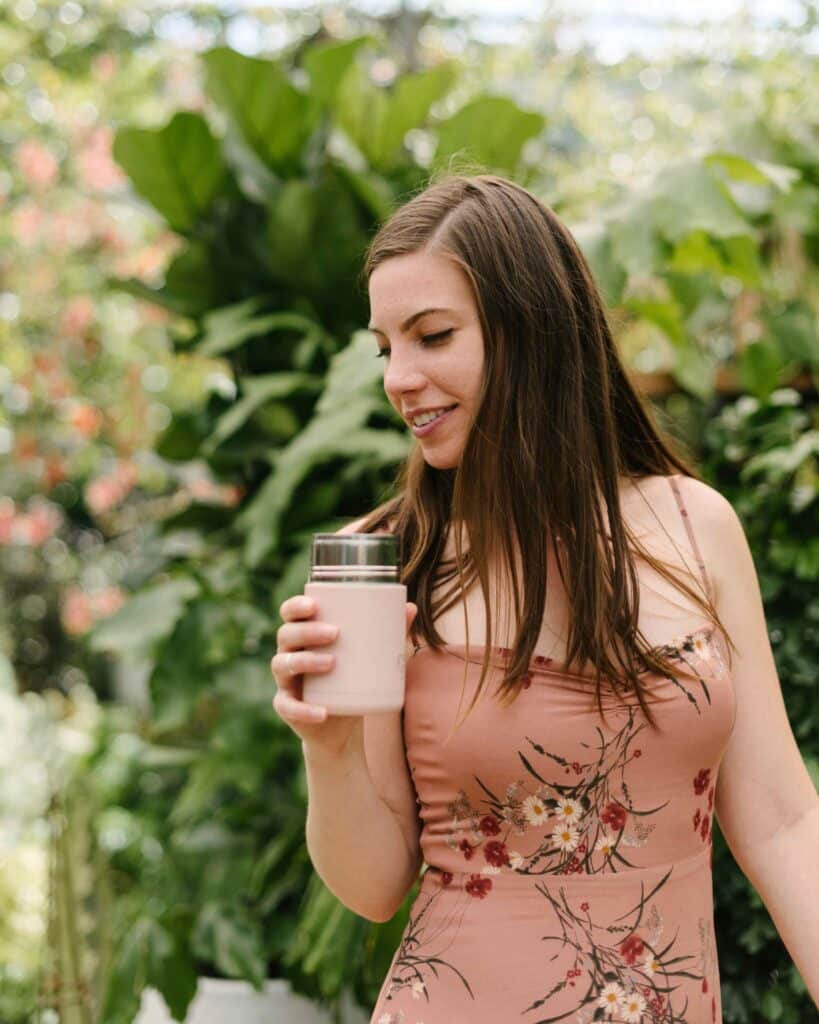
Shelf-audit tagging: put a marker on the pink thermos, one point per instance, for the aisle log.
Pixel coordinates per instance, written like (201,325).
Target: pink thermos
(354,583)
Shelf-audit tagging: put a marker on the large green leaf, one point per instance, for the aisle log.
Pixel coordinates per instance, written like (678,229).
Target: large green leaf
(148,954)
(354,370)
(761,366)
(179,168)
(666,316)
(635,244)
(756,172)
(489,130)
(274,118)
(148,617)
(326,63)
(317,237)
(193,282)
(598,248)
(231,940)
(227,328)
(256,391)
(336,435)
(377,119)
(691,196)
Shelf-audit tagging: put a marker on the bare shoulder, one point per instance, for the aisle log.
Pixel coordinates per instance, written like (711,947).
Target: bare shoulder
(718,529)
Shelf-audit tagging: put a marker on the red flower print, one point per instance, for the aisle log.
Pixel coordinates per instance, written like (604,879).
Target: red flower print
(710,798)
(615,815)
(632,948)
(495,853)
(697,817)
(701,780)
(704,828)
(638,753)
(527,682)
(489,826)
(577,768)
(478,886)
(584,906)
(446,877)
(466,849)
(705,984)
(540,660)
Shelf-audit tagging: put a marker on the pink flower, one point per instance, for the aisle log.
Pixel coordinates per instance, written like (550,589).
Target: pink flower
(77,317)
(613,814)
(97,169)
(701,780)
(38,166)
(80,610)
(632,948)
(489,825)
(495,853)
(86,420)
(105,66)
(478,886)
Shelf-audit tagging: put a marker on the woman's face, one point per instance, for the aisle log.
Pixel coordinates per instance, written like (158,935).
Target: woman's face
(425,321)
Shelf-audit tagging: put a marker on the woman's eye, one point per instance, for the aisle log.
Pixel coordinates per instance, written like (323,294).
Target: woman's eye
(427,339)
(435,337)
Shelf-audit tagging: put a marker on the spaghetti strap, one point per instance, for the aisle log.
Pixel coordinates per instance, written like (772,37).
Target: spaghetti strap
(675,487)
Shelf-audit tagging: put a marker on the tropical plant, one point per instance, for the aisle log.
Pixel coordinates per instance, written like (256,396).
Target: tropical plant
(272,191)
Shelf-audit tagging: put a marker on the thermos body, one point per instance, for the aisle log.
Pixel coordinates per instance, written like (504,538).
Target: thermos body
(354,583)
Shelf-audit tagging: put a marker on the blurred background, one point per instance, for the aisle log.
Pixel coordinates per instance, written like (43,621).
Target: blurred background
(187,393)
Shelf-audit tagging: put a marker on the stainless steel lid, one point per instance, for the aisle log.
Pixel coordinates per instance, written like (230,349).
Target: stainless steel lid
(349,557)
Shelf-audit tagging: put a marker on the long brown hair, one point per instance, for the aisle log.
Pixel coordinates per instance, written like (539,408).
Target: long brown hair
(558,423)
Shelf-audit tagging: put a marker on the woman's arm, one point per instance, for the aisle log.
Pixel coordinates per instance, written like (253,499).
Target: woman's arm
(362,827)
(766,803)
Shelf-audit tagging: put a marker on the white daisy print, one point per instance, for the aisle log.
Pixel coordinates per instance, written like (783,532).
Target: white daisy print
(605,845)
(515,860)
(652,965)
(566,837)
(702,648)
(490,869)
(610,997)
(632,1007)
(569,812)
(535,810)
(418,989)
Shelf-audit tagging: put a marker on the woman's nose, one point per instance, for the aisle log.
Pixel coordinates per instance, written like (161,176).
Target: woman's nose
(402,374)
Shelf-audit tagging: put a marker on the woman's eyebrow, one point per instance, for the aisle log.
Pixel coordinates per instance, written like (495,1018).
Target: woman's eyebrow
(405,326)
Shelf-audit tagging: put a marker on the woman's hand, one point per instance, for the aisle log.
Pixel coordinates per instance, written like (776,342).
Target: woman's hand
(311,722)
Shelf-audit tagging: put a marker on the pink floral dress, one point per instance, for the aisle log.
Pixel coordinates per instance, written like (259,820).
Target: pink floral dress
(567,854)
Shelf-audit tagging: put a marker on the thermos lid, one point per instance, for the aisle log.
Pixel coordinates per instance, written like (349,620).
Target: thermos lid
(354,556)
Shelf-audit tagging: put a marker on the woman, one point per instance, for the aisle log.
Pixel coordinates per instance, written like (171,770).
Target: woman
(565,819)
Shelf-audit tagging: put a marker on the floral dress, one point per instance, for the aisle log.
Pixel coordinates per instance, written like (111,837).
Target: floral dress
(567,854)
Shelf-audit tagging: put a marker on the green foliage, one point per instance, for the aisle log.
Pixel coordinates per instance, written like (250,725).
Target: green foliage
(203,819)
(202,808)
(764,457)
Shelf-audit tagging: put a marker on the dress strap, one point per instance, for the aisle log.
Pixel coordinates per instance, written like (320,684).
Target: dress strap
(675,487)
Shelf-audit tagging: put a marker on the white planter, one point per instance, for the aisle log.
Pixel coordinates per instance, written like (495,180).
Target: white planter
(236,1002)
